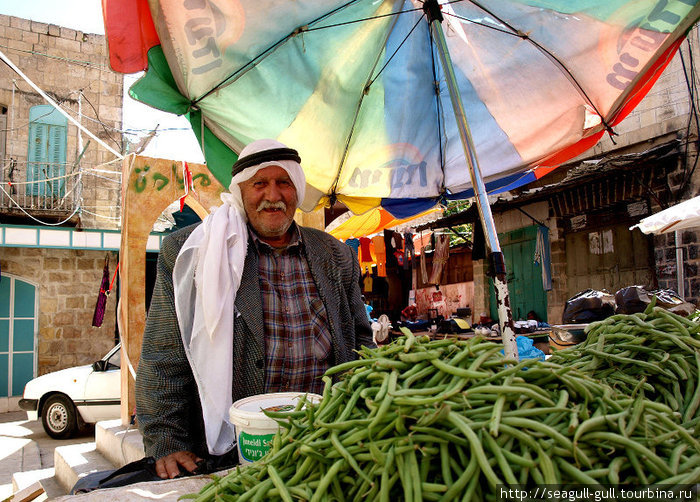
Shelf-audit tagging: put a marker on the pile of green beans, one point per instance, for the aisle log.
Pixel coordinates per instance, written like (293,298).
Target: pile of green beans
(451,420)
(656,347)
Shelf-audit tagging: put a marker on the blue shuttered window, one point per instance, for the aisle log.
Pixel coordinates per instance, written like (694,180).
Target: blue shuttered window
(46,165)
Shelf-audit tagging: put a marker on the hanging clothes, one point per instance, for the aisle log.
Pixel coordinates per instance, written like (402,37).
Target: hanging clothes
(380,253)
(354,245)
(365,254)
(409,251)
(543,256)
(367,281)
(440,257)
(100,305)
(390,248)
(397,241)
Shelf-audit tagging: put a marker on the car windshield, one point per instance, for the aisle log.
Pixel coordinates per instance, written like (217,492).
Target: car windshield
(115,360)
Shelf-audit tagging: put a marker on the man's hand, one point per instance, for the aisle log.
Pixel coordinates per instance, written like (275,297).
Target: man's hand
(168,467)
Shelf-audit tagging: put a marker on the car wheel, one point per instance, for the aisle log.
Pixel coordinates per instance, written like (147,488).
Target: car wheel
(59,417)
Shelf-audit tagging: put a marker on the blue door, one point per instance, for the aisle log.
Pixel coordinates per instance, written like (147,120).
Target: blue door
(18,327)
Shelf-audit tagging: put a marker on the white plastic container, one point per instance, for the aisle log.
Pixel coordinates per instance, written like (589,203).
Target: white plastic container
(254,429)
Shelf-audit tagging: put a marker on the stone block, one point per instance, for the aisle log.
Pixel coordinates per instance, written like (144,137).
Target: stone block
(68,33)
(62,319)
(22,24)
(60,277)
(13,33)
(71,332)
(75,302)
(49,305)
(30,37)
(688,237)
(47,364)
(41,28)
(86,264)
(72,46)
(54,31)
(68,360)
(4,20)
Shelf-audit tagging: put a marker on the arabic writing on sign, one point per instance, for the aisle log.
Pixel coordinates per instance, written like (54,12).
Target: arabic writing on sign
(160,181)
(645,39)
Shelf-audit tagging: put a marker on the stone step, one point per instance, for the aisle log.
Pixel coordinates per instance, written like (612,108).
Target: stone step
(75,461)
(45,478)
(117,443)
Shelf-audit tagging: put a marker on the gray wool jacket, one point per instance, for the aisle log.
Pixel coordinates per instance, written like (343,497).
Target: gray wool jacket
(167,403)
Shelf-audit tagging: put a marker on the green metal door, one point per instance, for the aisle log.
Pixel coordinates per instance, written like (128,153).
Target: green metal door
(524,275)
(18,327)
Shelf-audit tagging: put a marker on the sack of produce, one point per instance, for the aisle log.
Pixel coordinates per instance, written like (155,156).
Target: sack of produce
(671,301)
(632,299)
(588,306)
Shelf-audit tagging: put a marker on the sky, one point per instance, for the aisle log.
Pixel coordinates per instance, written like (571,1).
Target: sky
(175,140)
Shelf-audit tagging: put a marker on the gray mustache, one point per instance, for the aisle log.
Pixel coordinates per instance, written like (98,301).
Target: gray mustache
(271,205)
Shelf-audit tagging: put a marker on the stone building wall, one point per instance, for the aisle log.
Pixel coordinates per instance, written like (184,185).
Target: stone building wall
(69,282)
(72,68)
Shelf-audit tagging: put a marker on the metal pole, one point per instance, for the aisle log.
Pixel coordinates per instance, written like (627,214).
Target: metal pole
(680,272)
(498,267)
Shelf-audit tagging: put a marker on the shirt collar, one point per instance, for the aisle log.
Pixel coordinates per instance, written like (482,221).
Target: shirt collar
(294,243)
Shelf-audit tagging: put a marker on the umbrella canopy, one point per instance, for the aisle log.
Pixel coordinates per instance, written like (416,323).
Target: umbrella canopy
(371,222)
(357,86)
(678,217)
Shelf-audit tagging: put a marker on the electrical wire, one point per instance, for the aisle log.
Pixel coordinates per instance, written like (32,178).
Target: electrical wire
(117,143)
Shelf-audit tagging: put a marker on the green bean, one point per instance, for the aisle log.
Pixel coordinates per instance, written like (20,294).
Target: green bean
(476,448)
(490,443)
(576,475)
(454,370)
(654,462)
(462,480)
(326,480)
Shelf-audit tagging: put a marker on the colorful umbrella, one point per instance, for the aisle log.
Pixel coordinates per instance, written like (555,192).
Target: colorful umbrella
(357,86)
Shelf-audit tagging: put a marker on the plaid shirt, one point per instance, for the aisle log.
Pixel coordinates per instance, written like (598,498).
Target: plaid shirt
(297,337)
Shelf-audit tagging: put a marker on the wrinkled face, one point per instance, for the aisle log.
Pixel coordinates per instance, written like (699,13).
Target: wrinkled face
(270,200)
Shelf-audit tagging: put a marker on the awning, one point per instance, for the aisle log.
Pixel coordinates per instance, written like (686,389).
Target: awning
(678,217)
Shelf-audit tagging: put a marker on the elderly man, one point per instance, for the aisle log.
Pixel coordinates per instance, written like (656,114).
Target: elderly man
(247,302)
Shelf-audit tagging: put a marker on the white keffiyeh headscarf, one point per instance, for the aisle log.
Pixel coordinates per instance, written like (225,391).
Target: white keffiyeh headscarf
(206,277)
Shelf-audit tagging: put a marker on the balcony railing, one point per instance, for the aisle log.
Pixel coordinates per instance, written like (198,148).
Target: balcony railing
(40,187)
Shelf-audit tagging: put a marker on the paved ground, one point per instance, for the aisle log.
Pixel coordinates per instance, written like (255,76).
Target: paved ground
(24,446)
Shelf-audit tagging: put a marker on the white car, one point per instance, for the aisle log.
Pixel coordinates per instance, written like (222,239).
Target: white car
(69,398)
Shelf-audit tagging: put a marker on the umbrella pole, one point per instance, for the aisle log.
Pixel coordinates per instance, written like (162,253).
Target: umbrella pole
(497,262)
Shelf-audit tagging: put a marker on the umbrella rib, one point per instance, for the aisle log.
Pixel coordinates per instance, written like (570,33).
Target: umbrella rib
(361,20)
(438,106)
(253,62)
(524,36)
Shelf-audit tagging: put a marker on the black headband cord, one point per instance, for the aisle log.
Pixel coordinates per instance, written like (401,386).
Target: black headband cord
(265,156)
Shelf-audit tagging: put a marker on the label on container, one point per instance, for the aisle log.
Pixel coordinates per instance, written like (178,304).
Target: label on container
(254,446)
